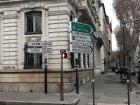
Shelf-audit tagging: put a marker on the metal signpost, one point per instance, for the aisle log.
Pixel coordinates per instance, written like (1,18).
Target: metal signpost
(41,47)
(77,78)
(63,56)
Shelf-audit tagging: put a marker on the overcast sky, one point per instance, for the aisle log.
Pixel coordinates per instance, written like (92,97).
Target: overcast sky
(112,16)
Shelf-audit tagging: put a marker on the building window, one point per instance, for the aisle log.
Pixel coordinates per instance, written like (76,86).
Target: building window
(32,60)
(33,22)
(72,59)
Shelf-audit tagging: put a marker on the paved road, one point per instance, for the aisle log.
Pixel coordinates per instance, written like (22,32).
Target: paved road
(108,90)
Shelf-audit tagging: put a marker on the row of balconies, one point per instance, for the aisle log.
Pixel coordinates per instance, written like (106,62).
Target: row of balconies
(92,7)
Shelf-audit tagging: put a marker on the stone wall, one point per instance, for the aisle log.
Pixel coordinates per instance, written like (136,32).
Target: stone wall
(34,81)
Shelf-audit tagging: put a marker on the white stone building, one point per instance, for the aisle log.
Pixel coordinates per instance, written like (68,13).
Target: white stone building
(106,39)
(23,21)
(103,45)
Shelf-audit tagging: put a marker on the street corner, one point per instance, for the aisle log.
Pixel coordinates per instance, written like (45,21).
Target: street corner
(75,102)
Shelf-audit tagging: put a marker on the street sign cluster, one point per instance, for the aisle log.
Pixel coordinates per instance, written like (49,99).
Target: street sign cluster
(39,47)
(80,40)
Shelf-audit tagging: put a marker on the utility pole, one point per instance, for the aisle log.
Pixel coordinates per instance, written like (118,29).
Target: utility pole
(124,59)
(123,46)
(125,68)
(93,70)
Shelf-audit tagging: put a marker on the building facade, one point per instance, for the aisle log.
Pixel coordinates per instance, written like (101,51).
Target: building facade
(136,61)
(23,21)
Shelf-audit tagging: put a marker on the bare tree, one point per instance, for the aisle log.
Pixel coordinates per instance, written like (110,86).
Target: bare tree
(128,12)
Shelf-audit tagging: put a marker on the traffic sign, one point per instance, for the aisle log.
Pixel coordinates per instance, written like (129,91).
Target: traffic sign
(80,43)
(34,50)
(39,50)
(81,27)
(77,48)
(80,39)
(40,44)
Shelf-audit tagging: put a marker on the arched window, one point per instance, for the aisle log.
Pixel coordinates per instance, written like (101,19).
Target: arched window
(33,22)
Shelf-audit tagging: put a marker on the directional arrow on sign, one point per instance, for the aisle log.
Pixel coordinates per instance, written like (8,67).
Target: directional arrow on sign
(39,50)
(81,27)
(35,50)
(41,44)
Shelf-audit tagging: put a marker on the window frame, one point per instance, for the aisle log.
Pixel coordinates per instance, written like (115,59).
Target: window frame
(36,59)
(33,17)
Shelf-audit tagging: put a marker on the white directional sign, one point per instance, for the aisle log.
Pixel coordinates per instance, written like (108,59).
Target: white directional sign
(40,44)
(80,38)
(79,43)
(77,48)
(39,50)
(35,50)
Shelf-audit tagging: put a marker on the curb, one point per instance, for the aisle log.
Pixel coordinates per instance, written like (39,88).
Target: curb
(75,102)
(135,83)
(108,104)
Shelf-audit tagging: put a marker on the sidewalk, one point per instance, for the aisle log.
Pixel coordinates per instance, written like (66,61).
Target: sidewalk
(108,91)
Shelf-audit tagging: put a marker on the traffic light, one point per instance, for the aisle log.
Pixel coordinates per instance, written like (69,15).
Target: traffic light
(63,54)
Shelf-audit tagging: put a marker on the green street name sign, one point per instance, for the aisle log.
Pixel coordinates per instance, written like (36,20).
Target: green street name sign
(81,27)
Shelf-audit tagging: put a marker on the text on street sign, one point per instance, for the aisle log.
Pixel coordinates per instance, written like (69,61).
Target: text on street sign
(81,27)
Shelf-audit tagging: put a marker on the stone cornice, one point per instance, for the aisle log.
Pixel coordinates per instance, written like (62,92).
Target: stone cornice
(33,8)
(5,1)
(11,1)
